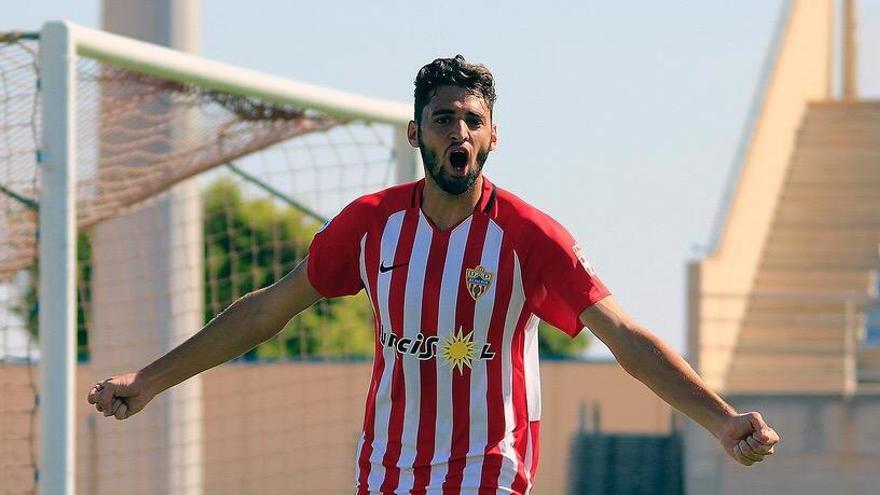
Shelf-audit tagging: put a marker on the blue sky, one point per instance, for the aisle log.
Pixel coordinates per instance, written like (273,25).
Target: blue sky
(619,118)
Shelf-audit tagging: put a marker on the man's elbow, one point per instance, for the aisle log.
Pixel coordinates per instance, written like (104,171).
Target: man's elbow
(633,349)
(258,313)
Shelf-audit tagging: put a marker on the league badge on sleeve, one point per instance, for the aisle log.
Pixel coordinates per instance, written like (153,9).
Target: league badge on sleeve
(579,254)
(478,281)
(324,226)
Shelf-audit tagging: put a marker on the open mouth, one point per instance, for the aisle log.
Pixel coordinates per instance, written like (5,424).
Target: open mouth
(458,159)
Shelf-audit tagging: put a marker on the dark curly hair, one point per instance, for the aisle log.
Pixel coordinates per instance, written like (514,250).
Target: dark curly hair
(457,71)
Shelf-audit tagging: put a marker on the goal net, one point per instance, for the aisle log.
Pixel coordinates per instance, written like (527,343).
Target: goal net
(193,183)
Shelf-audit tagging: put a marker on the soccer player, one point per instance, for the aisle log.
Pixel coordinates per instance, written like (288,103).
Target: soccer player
(458,271)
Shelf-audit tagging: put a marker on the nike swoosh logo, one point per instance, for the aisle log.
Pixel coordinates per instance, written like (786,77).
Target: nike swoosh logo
(383,268)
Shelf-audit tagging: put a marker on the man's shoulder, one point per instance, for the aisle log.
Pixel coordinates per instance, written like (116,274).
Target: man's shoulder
(388,200)
(515,212)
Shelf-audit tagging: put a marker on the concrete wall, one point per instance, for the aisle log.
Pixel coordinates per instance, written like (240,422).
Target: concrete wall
(800,72)
(291,428)
(830,445)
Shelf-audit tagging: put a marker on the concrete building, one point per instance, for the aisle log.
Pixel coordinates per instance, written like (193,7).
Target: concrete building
(781,311)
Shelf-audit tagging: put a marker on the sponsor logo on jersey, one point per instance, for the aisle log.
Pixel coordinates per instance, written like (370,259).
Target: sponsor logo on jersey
(457,350)
(579,253)
(478,281)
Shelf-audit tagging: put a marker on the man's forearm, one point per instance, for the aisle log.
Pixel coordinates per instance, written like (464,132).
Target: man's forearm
(247,322)
(745,437)
(242,326)
(654,363)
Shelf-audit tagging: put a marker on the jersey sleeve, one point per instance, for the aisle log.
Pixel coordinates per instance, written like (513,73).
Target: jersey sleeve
(334,255)
(559,279)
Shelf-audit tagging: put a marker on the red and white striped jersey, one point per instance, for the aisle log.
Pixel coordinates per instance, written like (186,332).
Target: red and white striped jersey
(454,402)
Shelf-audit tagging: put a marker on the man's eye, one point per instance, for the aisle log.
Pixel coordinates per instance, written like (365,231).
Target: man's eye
(442,120)
(475,123)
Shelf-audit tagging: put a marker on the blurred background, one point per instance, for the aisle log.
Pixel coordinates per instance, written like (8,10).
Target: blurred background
(719,162)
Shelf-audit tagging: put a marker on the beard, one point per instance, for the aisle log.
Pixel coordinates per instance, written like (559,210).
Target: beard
(454,186)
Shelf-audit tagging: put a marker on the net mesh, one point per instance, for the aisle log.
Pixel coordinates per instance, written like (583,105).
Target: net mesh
(247,183)
(17,248)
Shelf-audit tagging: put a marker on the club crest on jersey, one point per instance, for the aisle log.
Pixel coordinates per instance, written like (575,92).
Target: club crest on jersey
(478,281)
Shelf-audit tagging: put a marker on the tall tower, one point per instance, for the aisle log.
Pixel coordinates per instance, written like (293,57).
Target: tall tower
(148,290)
(850,90)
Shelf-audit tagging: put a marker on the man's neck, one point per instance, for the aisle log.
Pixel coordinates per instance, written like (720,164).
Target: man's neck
(446,210)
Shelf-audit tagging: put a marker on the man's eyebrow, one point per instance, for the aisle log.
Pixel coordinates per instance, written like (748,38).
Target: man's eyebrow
(448,111)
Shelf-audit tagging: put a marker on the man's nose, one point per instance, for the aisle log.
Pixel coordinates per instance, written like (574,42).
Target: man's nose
(459,131)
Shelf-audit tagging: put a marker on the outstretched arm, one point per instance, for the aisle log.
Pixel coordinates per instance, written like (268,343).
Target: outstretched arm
(745,437)
(249,321)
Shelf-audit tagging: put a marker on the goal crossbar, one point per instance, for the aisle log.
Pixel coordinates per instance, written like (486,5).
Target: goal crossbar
(174,65)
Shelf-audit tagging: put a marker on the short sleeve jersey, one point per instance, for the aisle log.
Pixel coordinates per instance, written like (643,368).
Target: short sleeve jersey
(454,401)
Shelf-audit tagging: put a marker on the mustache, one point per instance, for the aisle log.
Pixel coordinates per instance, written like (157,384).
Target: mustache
(454,186)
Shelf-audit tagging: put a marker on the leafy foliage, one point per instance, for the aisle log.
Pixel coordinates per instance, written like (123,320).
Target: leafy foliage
(249,244)
(553,343)
(27,307)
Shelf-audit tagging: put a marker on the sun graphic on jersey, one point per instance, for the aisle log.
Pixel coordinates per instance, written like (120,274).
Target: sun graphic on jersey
(458,350)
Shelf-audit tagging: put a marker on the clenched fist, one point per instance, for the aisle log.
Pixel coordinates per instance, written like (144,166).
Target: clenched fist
(121,396)
(747,438)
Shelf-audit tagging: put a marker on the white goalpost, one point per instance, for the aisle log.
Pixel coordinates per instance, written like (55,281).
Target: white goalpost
(57,268)
(273,158)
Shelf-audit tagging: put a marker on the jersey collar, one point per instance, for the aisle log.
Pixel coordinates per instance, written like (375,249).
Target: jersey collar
(485,204)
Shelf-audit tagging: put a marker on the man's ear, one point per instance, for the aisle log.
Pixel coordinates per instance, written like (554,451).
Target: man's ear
(494,141)
(412,134)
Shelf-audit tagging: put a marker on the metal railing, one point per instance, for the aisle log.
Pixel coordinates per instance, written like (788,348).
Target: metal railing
(857,316)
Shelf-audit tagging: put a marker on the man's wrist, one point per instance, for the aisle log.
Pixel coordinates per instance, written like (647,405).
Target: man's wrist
(148,382)
(721,420)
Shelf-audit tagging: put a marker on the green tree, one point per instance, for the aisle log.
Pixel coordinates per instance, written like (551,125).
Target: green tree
(553,343)
(27,308)
(334,327)
(251,243)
